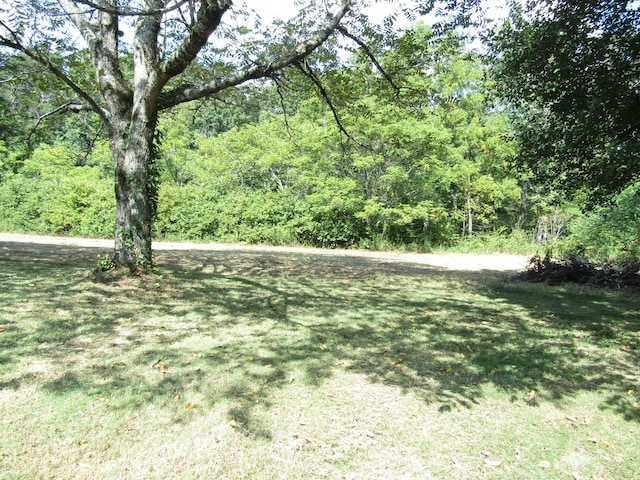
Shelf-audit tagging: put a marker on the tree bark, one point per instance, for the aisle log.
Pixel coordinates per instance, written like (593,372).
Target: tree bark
(469,223)
(133,226)
(132,146)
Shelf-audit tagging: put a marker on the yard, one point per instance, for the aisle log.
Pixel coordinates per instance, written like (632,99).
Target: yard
(299,364)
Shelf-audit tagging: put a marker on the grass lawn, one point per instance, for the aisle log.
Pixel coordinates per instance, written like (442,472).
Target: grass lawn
(253,365)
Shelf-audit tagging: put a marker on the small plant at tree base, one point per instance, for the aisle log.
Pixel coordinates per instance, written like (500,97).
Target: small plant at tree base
(105,263)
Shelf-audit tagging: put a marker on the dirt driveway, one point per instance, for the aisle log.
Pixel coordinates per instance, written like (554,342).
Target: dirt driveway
(82,249)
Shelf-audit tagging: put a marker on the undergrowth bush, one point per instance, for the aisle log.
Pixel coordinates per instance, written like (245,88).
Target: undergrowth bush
(198,212)
(53,196)
(609,233)
(518,242)
(187,212)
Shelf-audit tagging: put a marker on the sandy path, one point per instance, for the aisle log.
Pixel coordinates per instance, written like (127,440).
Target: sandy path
(449,261)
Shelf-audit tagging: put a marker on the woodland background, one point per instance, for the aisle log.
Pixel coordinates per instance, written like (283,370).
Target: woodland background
(431,159)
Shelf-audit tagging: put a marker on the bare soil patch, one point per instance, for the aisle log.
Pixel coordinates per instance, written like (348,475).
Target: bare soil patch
(78,250)
(278,260)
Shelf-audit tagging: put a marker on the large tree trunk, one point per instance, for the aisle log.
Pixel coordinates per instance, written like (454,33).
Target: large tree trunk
(133,228)
(132,145)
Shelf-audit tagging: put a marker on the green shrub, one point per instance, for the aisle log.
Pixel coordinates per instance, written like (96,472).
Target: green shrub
(610,233)
(187,213)
(198,212)
(22,202)
(50,195)
(260,217)
(518,242)
(48,161)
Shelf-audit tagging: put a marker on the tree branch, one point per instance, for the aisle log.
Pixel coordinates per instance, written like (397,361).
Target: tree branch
(279,88)
(67,107)
(306,70)
(102,39)
(206,21)
(371,56)
(130,12)
(52,68)
(6,41)
(145,40)
(79,19)
(193,92)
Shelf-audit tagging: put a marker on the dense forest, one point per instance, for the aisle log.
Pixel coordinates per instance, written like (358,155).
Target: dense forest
(439,146)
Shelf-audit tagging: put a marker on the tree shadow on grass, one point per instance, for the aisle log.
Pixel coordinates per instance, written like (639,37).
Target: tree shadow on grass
(234,326)
(445,345)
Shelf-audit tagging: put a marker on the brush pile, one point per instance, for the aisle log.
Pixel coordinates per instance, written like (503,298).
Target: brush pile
(577,270)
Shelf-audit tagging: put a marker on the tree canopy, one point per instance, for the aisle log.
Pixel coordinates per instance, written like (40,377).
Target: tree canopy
(572,71)
(416,161)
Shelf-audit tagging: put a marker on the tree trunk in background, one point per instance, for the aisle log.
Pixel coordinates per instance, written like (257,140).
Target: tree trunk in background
(524,206)
(469,207)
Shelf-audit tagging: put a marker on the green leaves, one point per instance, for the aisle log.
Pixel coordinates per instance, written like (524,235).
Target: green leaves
(571,72)
(417,161)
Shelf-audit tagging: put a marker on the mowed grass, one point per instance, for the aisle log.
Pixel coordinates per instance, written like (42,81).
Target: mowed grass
(281,366)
